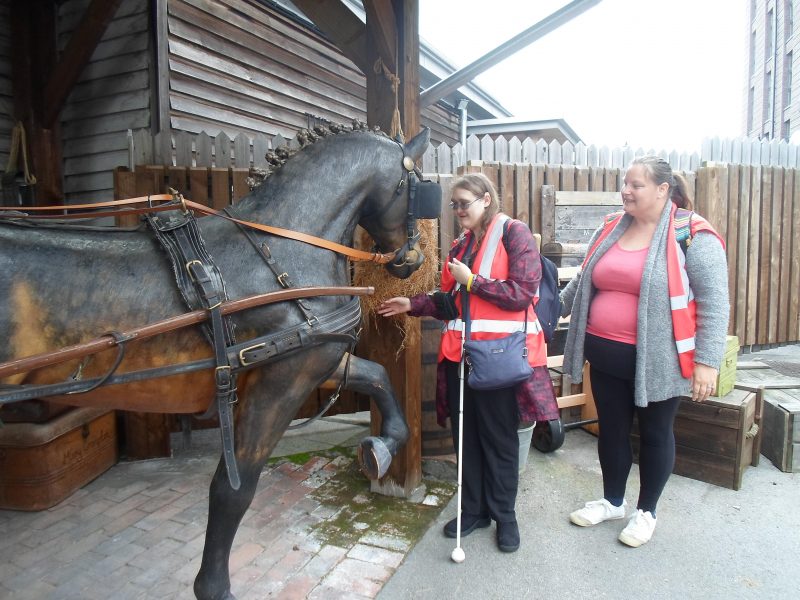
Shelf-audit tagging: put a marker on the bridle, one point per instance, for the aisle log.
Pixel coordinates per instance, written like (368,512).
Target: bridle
(424,202)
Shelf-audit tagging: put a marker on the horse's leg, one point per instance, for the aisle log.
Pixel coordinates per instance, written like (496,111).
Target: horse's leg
(370,378)
(266,407)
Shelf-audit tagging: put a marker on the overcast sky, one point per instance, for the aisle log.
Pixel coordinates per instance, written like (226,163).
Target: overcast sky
(661,74)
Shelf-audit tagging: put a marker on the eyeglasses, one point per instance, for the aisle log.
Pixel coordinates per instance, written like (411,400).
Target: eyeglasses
(463,205)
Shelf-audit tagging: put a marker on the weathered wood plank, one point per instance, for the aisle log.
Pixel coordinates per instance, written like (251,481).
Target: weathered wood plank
(548,214)
(198,185)
(784,243)
(584,198)
(522,193)
(762,324)
(794,276)
(753,245)
(220,188)
(774,257)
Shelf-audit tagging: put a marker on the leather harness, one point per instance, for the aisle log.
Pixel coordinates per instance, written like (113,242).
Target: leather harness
(202,287)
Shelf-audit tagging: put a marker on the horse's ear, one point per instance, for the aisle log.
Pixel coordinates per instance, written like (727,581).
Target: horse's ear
(416,147)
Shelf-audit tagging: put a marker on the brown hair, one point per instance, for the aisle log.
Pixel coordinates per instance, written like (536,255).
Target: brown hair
(660,172)
(479,184)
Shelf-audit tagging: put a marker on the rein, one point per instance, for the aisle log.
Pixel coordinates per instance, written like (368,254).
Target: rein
(173,201)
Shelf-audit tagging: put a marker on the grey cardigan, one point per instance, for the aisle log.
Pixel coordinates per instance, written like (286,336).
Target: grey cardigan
(658,374)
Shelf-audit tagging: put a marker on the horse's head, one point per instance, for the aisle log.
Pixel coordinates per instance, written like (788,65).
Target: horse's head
(391,219)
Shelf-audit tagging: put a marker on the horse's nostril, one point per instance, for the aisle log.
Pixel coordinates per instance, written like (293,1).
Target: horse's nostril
(412,257)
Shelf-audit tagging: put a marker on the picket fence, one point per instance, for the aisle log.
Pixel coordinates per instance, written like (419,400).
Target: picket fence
(243,151)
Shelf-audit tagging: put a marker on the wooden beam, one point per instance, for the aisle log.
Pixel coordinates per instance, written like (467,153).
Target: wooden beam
(466,74)
(380,343)
(383,30)
(77,53)
(342,27)
(408,65)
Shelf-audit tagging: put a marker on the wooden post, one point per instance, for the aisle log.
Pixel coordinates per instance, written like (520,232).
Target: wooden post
(393,42)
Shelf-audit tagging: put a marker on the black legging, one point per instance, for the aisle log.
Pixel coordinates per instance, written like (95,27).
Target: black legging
(490,467)
(612,372)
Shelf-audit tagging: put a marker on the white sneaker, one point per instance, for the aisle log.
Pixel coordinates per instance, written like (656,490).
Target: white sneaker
(639,529)
(596,512)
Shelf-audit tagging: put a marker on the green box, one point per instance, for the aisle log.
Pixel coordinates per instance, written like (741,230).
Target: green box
(727,370)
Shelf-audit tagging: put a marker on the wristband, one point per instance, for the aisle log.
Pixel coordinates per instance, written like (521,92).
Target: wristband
(469,282)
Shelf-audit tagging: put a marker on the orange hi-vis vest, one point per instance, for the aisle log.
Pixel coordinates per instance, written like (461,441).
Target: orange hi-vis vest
(489,321)
(681,297)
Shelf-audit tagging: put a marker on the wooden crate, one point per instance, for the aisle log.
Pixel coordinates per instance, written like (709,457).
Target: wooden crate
(780,423)
(781,426)
(42,464)
(727,370)
(716,440)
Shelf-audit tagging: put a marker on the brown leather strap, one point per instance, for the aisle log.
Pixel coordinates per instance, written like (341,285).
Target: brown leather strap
(352,253)
(46,359)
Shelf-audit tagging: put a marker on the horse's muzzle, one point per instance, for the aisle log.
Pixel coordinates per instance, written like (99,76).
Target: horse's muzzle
(406,263)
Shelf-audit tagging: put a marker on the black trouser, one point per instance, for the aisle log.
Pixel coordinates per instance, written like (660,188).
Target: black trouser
(490,461)
(612,372)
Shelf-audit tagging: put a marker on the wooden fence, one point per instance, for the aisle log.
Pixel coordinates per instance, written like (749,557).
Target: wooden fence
(221,150)
(755,209)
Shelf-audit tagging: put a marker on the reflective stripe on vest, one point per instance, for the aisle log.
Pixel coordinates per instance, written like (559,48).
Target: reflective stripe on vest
(489,321)
(494,326)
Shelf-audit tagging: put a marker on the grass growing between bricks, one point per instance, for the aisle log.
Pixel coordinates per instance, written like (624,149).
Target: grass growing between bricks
(358,512)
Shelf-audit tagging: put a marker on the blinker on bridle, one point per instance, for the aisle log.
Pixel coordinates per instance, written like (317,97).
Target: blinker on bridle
(424,202)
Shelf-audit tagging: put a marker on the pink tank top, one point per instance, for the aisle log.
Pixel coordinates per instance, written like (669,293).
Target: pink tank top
(617,278)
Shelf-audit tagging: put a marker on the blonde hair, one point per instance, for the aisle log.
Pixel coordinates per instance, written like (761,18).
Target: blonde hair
(479,184)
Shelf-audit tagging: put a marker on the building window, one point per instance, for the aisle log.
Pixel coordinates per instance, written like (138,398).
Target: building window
(752,53)
(767,104)
(769,36)
(752,10)
(750,99)
(787,80)
(786,130)
(788,18)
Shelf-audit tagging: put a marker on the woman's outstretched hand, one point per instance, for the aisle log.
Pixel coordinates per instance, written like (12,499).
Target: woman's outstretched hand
(394,306)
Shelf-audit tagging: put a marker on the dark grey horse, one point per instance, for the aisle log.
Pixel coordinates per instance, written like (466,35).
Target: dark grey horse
(62,287)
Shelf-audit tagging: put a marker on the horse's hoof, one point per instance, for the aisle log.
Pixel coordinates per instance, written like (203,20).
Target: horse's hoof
(374,457)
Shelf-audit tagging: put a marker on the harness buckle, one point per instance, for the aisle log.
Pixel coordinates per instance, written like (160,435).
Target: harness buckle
(243,360)
(189,266)
(312,321)
(283,279)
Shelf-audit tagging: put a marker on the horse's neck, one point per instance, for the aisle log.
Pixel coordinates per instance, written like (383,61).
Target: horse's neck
(314,203)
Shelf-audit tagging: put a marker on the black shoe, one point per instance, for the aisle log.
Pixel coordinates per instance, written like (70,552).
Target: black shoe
(508,536)
(469,523)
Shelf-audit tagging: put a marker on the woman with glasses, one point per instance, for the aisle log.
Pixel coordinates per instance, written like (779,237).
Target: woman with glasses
(650,313)
(495,260)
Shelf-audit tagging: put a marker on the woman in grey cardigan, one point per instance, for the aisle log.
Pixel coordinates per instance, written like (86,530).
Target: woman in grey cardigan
(650,315)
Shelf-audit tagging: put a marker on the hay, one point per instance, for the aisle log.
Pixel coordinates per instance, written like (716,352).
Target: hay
(423,280)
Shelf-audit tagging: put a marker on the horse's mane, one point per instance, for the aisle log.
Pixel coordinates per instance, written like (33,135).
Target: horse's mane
(277,157)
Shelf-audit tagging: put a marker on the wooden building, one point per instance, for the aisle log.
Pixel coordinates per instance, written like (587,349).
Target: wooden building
(232,66)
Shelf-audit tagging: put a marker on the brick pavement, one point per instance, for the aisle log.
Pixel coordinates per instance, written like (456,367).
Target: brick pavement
(137,532)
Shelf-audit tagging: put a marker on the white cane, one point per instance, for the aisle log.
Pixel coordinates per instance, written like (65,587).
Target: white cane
(458,553)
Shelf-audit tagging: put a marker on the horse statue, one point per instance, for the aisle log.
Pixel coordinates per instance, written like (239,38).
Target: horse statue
(64,285)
